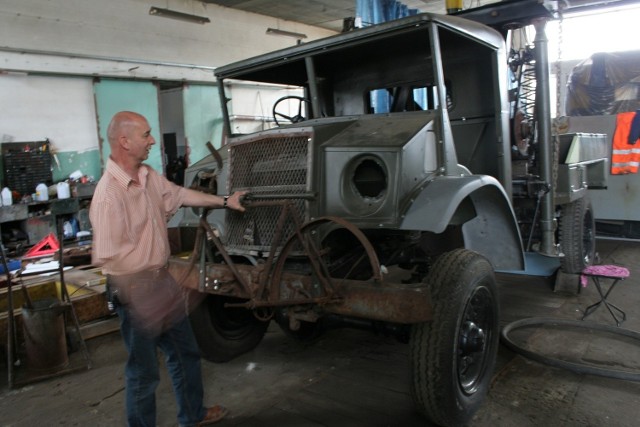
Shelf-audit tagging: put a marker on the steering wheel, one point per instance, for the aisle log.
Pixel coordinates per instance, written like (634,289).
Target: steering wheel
(298,117)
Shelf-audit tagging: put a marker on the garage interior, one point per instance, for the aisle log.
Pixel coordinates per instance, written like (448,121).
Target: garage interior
(67,68)
(354,378)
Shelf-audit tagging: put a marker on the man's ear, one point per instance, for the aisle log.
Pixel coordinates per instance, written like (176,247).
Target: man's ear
(123,141)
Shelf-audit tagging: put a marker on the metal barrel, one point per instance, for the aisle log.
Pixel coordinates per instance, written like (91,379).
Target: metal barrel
(44,335)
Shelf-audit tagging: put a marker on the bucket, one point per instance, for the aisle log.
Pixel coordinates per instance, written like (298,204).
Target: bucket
(63,190)
(44,335)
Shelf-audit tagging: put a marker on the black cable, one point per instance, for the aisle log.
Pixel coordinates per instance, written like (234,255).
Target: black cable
(571,366)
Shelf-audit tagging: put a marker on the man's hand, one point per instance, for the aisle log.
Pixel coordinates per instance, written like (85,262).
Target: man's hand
(212,201)
(234,201)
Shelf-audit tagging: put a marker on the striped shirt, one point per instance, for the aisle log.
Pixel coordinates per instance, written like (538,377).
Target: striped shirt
(129,220)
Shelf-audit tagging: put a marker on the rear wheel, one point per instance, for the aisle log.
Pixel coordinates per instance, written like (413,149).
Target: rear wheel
(452,357)
(577,236)
(224,333)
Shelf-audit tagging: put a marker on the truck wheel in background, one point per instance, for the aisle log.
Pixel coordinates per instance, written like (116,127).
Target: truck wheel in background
(224,333)
(453,356)
(577,235)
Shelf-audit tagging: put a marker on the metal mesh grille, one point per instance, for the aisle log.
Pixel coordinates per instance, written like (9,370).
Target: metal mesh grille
(270,165)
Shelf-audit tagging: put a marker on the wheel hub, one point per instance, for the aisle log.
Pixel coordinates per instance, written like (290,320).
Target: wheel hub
(472,338)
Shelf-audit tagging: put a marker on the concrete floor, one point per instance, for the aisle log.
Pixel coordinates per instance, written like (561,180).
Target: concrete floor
(353,378)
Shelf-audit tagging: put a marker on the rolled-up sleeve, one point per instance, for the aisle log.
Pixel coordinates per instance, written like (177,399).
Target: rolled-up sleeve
(172,197)
(109,231)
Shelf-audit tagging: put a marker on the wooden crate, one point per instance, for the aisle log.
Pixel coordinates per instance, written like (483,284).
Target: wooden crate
(86,288)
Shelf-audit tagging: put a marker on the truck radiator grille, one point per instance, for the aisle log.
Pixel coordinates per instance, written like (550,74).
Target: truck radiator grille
(270,165)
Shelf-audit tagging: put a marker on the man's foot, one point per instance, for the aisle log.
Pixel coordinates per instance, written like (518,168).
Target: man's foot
(213,415)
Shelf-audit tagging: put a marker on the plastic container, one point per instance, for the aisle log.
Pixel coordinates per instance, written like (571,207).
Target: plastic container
(63,190)
(12,265)
(76,175)
(67,230)
(42,192)
(70,228)
(7,198)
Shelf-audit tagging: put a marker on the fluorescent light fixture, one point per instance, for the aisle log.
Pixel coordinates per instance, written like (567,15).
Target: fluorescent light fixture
(276,32)
(156,11)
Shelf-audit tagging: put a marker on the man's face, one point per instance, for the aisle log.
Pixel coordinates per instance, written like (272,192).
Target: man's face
(140,140)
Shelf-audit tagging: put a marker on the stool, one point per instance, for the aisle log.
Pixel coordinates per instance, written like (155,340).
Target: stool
(597,272)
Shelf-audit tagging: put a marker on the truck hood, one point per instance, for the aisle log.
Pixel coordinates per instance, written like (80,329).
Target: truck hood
(380,131)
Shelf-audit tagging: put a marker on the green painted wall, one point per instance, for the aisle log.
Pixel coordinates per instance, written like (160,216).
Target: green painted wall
(113,96)
(87,162)
(202,119)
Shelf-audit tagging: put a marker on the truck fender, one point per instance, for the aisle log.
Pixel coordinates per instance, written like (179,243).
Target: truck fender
(477,203)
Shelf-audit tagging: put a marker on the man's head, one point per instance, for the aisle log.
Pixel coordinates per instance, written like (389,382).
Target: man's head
(130,137)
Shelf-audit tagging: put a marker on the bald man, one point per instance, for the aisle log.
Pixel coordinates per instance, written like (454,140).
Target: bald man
(129,213)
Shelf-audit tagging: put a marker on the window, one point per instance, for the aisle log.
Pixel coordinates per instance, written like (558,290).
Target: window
(405,98)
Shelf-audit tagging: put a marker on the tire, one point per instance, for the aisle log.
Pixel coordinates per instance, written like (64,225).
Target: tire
(224,333)
(577,236)
(453,356)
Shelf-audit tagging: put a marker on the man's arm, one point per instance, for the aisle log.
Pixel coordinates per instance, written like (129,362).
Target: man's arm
(108,235)
(199,199)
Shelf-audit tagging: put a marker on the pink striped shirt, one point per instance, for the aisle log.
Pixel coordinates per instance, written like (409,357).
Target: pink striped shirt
(129,220)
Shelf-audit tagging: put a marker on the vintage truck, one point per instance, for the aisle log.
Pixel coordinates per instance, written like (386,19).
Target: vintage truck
(384,194)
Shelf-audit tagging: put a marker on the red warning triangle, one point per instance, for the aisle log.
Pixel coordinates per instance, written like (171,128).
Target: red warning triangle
(47,246)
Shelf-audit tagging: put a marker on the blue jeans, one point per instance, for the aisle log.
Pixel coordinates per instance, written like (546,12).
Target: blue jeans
(142,373)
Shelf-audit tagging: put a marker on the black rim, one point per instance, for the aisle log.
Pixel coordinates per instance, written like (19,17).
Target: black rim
(474,337)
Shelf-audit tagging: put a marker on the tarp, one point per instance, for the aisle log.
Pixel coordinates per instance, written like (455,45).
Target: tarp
(605,83)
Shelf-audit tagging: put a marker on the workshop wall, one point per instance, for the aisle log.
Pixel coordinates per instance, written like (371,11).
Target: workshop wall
(203,120)
(60,109)
(86,33)
(53,53)
(66,108)
(113,96)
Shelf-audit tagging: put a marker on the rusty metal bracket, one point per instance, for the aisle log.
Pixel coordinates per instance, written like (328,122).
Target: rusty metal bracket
(366,244)
(216,155)
(216,241)
(272,275)
(283,303)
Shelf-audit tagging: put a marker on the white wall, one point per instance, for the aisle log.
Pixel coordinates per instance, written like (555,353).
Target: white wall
(123,29)
(35,108)
(52,50)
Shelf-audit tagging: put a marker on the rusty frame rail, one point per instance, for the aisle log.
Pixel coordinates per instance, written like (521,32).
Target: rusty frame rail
(260,285)
(387,301)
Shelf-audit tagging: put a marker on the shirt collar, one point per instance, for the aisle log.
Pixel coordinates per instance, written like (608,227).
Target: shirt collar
(121,176)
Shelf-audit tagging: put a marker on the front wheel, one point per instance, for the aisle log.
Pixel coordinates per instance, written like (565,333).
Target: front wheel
(224,333)
(453,356)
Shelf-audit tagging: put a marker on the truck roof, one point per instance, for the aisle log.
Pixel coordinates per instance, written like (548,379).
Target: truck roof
(289,62)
